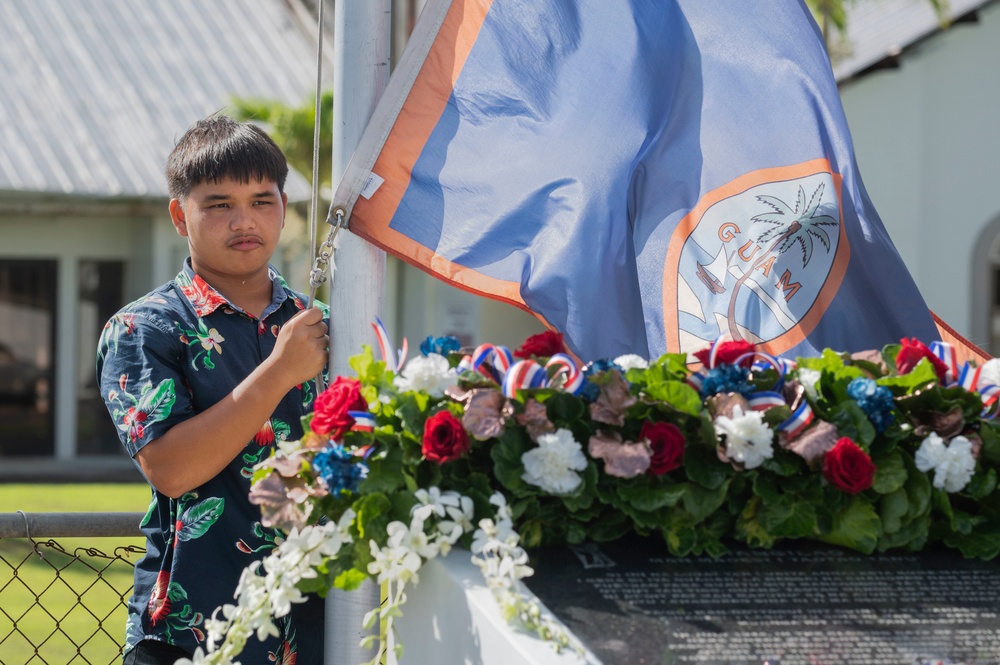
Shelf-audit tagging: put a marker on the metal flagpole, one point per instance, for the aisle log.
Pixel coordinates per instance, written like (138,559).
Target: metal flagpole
(361,71)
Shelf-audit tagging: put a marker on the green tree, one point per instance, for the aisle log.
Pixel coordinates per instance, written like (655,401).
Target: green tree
(832,14)
(292,128)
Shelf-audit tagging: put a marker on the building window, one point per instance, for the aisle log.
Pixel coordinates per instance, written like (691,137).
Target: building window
(99,298)
(27,350)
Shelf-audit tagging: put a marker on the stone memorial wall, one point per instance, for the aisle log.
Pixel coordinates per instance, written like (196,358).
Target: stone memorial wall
(631,603)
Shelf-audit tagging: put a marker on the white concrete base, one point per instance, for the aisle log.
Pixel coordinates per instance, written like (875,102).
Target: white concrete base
(451,618)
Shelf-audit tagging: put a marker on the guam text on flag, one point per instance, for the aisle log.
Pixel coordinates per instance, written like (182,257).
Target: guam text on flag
(645,176)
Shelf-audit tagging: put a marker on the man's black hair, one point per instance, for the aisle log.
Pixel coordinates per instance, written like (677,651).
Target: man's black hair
(219,147)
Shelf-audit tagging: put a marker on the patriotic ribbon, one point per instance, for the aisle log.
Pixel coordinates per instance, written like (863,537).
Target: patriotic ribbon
(762,400)
(392,361)
(364,421)
(798,421)
(522,375)
(497,364)
(765,399)
(969,378)
(491,361)
(566,365)
(945,352)
(761,361)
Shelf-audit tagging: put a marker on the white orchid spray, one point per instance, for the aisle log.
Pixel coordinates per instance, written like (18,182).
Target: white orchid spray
(268,591)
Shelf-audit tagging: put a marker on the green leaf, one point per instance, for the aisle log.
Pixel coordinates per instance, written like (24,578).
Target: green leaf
(749,527)
(702,465)
(983,542)
(149,512)
(991,442)
(158,403)
(563,409)
(784,463)
(921,375)
(385,472)
(350,579)
(507,465)
(197,519)
(765,487)
(852,422)
(680,535)
(700,502)
(576,533)
(651,497)
(176,593)
(918,491)
(612,525)
(890,473)
(531,533)
(788,517)
(982,484)
(892,509)
(372,517)
(362,364)
(911,537)
(856,527)
(412,411)
(680,396)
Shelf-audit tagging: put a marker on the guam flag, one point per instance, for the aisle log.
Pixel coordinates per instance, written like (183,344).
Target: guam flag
(644,176)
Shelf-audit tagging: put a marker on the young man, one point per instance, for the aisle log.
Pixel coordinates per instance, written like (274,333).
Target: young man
(201,377)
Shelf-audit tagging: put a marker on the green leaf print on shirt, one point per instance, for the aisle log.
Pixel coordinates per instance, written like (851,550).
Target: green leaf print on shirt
(182,616)
(153,405)
(196,520)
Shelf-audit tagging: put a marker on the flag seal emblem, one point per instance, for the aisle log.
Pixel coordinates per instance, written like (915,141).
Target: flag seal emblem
(757,259)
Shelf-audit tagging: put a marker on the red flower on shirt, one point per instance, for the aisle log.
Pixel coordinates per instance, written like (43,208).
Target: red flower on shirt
(202,296)
(159,601)
(265,435)
(133,420)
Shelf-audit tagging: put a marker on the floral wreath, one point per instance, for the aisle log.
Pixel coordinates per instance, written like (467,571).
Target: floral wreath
(498,453)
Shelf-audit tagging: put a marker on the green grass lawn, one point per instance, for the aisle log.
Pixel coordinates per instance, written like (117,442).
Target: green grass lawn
(79,599)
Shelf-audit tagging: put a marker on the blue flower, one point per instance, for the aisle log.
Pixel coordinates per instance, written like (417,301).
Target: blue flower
(875,400)
(591,391)
(726,379)
(440,345)
(336,466)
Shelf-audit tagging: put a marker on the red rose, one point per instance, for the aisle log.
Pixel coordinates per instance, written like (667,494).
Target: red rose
(444,438)
(667,442)
(847,467)
(330,410)
(728,353)
(544,345)
(912,352)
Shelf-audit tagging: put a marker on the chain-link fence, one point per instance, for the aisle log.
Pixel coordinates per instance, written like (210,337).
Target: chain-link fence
(64,602)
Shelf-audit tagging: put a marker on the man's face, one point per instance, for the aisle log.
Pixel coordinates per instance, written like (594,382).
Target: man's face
(232,227)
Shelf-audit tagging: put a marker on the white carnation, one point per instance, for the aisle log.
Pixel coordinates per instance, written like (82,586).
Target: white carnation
(552,466)
(808,378)
(431,374)
(748,438)
(990,373)
(631,361)
(953,464)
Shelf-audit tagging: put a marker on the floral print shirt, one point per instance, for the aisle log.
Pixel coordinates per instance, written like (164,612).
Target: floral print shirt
(162,359)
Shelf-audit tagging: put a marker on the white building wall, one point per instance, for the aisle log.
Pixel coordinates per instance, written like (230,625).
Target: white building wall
(68,239)
(927,140)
